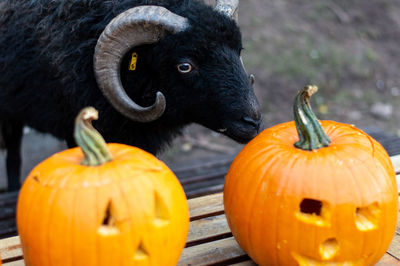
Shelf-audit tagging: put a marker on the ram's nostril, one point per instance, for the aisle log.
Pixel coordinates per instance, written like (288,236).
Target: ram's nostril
(252,122)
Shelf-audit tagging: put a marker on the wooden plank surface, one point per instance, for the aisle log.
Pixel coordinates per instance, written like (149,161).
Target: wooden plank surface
(394,248)
(396,163)
(388,260)
(224,251)
(206,206)
(209,241)
(207,230)
(10,250)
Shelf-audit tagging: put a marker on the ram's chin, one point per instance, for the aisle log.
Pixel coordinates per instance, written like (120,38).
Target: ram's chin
(240,134)
(240,138)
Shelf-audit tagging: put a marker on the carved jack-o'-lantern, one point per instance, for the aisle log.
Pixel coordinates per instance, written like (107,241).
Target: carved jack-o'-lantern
(329,198)
(110,205)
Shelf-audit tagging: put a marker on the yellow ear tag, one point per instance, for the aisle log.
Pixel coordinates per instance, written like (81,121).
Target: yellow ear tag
(132,64)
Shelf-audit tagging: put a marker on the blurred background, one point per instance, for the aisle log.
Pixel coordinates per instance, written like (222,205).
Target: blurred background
(350,49)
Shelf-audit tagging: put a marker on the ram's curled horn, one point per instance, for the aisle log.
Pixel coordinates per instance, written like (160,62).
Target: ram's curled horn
(136,26)
(228,7)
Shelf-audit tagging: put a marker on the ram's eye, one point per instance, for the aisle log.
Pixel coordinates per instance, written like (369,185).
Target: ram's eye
(184,68)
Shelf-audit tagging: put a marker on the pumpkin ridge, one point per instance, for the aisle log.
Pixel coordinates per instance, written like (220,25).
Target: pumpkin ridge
(350,168)
(71,236)
(49,217)
(287,179)
(233,166)
(352,178)
(368,137)
(96,196)
(121,189)
(271,165)
(122,193)
(381,237)
(30,211)
(337,125)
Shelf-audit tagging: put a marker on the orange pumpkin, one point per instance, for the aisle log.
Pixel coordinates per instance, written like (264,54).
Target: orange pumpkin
(110,205)
(324,196)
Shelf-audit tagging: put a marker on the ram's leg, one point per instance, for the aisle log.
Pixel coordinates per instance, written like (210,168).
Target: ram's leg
(12,136)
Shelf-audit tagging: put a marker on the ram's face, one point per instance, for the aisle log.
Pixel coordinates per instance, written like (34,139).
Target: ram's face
(190,72)
(213,89)
(200,73)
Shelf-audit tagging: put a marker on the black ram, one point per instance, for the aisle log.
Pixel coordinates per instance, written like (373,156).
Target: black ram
(149,67)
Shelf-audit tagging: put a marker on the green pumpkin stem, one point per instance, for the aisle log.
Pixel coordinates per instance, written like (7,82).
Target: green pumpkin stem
(310,131)
(89,139)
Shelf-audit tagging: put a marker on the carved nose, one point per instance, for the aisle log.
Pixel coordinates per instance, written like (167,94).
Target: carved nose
(252,122)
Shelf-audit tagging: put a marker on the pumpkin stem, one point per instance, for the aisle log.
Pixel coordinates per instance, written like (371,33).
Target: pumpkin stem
(310,131)
(89,139)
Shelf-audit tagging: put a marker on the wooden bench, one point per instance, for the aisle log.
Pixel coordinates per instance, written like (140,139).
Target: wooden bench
(210,241)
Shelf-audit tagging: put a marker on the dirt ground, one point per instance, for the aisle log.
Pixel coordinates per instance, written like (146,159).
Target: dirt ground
(349,49)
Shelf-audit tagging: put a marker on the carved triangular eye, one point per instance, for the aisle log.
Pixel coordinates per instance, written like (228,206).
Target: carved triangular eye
(108,219)
(108,225)
(162,216)
(141,252)
(367,217)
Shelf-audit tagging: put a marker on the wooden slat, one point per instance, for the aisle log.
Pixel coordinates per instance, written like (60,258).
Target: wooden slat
(206,206)
(10,249)
(394,248)
(398,223)
(208,229)
(388,260)
(219,251)
(396,162)
(15,263)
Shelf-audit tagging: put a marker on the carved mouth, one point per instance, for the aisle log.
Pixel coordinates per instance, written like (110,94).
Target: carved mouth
(303,261)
